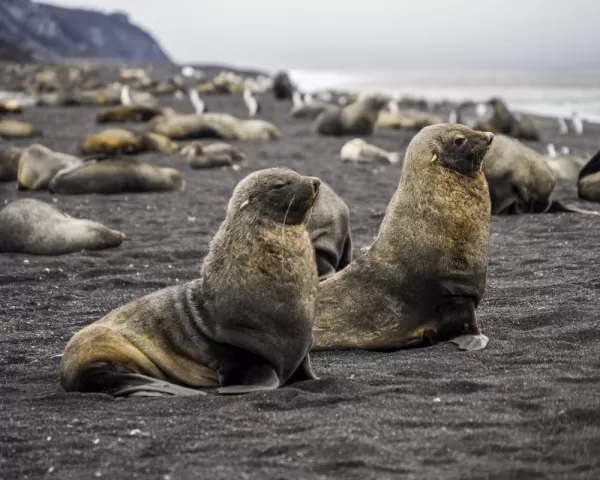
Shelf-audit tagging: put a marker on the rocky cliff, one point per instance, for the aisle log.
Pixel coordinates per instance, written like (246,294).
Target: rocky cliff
(50,32)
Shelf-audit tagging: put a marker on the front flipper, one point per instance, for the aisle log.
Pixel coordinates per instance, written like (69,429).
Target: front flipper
(303,372)
(135,385)
(254,379)
(471,343)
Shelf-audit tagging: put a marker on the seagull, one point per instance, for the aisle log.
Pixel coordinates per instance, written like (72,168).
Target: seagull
(563,128)
(551,150)
(197,102)
(453,117)
(577,122)
(251,103)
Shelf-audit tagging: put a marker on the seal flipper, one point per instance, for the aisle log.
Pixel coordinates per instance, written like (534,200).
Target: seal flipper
(557,206)
(132,384)
(303,372)
(471,343)
(255,379)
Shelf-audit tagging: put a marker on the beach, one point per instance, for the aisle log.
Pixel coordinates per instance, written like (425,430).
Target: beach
(525,407)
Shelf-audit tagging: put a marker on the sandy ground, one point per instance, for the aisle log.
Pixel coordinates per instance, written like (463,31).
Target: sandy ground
(526,407)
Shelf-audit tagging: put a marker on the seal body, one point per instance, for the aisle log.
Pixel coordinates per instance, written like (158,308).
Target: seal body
(34,227)
(421,280)
(213,155)
(244,325)
(128,113)
(588,182)
(359,151)
(10,128)
(9,163)
(503,121)
(283,89)
(358,118)
(38,166)
(116,176)
(329,230)
(114,141)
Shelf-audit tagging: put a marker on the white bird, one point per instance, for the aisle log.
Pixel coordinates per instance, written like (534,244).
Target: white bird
(551,150)
(565,150)
(481,110)
(197,102)
(577,122)
(190,72)
(251,103)
(308,99)
(392,106)
(141,98)
(453,117)
(126,95)
(297,99)
(563,128)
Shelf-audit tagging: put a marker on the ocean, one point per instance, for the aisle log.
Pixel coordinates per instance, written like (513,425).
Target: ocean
(541,92)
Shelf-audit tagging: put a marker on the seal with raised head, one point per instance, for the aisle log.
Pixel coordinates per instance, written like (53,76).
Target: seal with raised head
(421,280)
(505,122)
(329,230)
(244,325)
(358,118)
(34,227)
(38,166)
(116,175)
(9,163)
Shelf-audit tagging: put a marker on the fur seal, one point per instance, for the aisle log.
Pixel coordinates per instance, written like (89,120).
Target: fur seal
(329,230)
(9,163)
(128,113)
(38,165)
(358,118)
(407,119)
(114,141)
(15,129)
(421,280)
(10,106)
(588,181)
(34,227)
(214,155)
(358,150)
(503,121)
(283,89)
(116,175)
(244,325)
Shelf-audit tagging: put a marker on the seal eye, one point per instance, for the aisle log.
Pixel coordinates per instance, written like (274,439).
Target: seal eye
(458,141)
(280,185)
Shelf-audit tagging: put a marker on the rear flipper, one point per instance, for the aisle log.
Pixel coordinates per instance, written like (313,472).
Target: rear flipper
(256,378)
(557,206)
(303,372)
(471,343)
(120,384)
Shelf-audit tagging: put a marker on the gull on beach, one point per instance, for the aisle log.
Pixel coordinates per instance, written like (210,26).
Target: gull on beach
(197,102)
(551,150)
(251,103)
(563,128)
(577,122)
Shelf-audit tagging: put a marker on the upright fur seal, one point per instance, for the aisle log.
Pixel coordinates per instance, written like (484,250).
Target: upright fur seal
(116,175)
(9,162)
(283,89)
(424,275)
(505,122)
(244,325)
(329,229)
(38,166)
(34,227)
(358,118)
(588,182)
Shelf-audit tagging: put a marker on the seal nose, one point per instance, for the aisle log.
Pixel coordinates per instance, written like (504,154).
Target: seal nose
(316,183)
(489,136)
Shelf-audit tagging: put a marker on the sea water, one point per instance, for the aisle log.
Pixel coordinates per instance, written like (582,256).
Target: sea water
(541,92)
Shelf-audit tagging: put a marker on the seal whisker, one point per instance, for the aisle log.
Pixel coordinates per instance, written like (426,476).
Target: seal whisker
(283,228)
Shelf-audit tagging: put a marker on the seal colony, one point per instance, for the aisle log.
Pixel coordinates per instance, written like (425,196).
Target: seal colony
(244,325)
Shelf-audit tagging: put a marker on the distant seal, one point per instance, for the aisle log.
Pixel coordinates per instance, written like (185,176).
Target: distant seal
(407,119)
(116,176)
(244,325)
(588,181)
(358,150)
(114,141)
(10,106)
(214,155)
(34,227)
(128,113)
(329,230)
(503,121)
(424,275)
(15,129)
(38,166)
(283,89)
(358,118)
(9,163)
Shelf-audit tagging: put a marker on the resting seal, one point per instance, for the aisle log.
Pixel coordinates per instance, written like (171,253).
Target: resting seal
(114,141)
(424,275)
(244,325)
(9,163)
(116,176)
(38,166)
(214,155)
(588,182)
(128,113)
(329,230)
(358,118)
(15,129)
(359,151)
(34,227)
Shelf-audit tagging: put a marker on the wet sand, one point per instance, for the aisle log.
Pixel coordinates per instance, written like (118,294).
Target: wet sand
(526,407)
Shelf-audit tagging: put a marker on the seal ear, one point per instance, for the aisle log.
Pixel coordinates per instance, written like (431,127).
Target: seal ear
(246,202)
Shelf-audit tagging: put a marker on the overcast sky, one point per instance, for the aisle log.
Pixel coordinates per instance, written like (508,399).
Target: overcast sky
(375,34)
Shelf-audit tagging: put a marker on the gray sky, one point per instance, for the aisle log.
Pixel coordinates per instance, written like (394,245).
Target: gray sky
(377,34)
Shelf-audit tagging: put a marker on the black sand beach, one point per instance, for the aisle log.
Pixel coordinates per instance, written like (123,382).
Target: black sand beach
(528,406)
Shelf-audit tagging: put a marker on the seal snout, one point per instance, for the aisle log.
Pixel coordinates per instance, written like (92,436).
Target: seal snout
(489,136)
(316,183)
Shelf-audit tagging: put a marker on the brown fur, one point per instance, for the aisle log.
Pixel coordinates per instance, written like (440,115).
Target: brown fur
(9,163)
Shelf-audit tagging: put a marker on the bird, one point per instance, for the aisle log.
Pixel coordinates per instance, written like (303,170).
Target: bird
(453,117)
(140,98)
(551,150)
(197,102)
(563,128)
(577,122)
(297,99)
(251,103)
(481,110)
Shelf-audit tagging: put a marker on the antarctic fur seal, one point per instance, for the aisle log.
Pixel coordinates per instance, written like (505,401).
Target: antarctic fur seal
(424,275)
(283,89)
(10,128)
(505,122)
(128,113)
(38,166)
(34,227)
(329,230)
(244,325)
(358,118)
(358,150)
(114,141)
(116,175)
(588,182)
(214,155)
(9,163)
